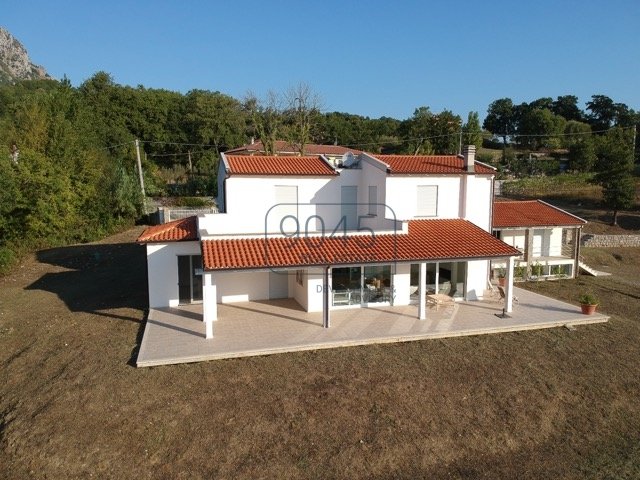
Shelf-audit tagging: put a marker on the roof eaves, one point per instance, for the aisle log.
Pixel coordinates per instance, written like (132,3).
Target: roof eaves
(563,211)
(376,162)
(227,168)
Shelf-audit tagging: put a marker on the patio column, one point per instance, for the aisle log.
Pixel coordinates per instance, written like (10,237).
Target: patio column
(209,303)
(576,252)
(508,290)
(422,291)
(528,250)
(326,320)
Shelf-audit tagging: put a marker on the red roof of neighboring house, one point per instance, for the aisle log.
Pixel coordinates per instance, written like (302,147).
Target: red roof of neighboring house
(434,164)
(531,213)
(283,147)
(182,230)
(275,165)
(426,240)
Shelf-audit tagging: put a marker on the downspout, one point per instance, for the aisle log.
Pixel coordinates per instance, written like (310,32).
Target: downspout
(224,181)
(576,261)
(326,319)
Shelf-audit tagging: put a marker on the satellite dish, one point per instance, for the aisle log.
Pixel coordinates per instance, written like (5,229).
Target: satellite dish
(348,160)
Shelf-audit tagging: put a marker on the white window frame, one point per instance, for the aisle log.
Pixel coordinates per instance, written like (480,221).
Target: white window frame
(422,200)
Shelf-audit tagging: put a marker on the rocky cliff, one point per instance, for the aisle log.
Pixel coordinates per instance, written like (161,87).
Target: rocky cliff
(14,61)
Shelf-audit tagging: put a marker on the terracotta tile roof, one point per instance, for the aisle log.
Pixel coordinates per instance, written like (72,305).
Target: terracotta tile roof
(531,213)
(276,165)
(426,240)
(436,164)
(282,147)
(177,231)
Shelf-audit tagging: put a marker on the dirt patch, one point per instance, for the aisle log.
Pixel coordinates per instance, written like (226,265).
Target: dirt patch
(545,404)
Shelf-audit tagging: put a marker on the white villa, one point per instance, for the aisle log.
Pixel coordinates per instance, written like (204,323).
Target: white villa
(366,231)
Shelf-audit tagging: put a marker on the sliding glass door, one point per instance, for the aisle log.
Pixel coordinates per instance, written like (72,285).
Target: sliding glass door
(361,285)
(189,279)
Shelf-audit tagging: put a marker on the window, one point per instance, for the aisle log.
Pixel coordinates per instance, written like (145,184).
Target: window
(373,200)
(427,201)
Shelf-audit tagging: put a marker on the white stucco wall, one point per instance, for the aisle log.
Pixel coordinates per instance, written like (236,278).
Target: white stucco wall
(401,281)
(478,200)
(402,197)
(233,287)
(162,270)
(314,289)
(299,292)
(477,277)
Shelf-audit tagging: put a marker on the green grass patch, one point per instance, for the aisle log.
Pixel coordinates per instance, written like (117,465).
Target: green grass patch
(563,186)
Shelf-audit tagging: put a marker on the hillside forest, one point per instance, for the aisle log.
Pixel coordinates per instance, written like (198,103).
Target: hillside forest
(68,160)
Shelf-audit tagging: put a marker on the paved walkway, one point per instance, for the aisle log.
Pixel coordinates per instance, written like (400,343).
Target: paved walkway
(176,335)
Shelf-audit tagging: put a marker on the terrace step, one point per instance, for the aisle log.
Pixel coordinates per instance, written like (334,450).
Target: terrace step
(592,271)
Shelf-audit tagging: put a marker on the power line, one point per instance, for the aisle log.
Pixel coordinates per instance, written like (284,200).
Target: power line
(390,141)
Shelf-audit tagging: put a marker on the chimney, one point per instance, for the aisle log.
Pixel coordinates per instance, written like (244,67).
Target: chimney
(469,155)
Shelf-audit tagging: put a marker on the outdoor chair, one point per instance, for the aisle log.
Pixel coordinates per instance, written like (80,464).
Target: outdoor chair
(503,295)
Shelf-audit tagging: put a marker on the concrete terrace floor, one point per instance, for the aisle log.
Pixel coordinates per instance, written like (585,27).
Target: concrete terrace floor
(177,335)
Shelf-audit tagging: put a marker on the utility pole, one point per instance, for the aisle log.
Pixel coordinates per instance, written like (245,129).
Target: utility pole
(144,195)
(635,130)
(190,165)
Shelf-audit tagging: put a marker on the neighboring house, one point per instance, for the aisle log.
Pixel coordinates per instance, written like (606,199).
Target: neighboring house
(378,230)
(548,237)
(333,153)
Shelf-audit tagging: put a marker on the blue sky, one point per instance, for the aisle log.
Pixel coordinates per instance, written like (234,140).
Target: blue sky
(371,57)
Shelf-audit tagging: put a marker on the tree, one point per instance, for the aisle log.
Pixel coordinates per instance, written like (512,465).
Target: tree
(567,107)
(266,119)
(540,128)
(574,131)
(418,131)
(472,131)
(542,103)
(446,128)
(214,118)
(501,120)
(302,112)
(605,113)
(582,155)
(615,166)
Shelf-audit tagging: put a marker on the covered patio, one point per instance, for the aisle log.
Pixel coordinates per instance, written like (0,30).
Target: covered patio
(177,335)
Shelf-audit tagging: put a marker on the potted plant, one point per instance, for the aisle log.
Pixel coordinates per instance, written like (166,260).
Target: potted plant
(588,303)
(502,273)
(520,272)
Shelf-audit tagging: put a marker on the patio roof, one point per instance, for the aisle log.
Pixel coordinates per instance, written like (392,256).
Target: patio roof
(531,213)
(185,229)
(426,240)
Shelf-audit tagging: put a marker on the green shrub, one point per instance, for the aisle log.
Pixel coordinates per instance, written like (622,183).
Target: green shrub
(588,299)
(7,259)
(192,202)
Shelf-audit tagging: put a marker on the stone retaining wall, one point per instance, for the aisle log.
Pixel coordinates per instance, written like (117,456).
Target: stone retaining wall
(589,240)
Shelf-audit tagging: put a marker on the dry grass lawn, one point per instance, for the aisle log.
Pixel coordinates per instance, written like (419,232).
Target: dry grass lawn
(543,404)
